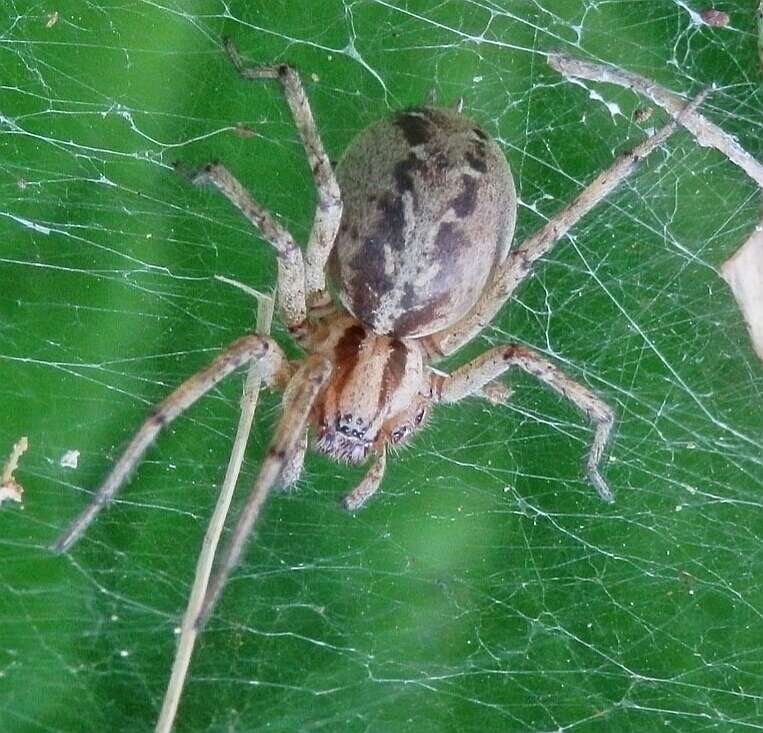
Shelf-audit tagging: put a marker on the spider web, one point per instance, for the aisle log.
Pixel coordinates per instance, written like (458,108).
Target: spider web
(488,588)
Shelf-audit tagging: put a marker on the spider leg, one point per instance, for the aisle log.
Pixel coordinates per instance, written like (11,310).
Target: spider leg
(519,263)
(298,400)
(328,212)
(294,465)
(496,393)
(357,498)
(291,267)
(240,352)
(472,377)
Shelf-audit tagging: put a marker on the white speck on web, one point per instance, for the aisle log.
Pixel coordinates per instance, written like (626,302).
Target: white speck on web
(70,459)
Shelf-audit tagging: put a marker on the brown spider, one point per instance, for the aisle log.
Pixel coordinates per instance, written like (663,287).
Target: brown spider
(415,228)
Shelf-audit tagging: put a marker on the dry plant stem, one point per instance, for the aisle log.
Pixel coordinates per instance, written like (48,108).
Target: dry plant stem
(706,133)
(188,631)
(520,261)
(244,288)
(10,489)
(298,400)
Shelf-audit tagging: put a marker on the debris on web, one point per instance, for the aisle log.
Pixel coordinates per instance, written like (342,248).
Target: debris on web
(743,271)
(10,488)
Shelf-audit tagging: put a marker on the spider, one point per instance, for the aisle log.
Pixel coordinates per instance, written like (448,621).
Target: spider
(414,229)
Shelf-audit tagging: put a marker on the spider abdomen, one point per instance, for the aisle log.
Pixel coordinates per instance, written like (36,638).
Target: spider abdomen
(429,211)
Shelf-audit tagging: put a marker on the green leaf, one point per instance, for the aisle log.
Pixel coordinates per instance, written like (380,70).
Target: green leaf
(487,588)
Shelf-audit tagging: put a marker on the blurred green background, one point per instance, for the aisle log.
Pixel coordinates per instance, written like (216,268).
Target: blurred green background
(487,588)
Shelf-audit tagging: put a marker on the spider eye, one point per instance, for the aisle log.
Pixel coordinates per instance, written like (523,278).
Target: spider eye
(399,433)
(420,416)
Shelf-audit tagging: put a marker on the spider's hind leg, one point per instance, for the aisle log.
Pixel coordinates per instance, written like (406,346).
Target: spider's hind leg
(518,265)
(291,267)
(328,211)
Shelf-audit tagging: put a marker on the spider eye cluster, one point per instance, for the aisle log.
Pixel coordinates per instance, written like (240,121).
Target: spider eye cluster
(347,426)
(344,438)
(400,433)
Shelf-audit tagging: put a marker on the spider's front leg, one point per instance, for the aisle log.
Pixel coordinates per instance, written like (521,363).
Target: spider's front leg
(328,212)
(292,470)
(289,436)
(472,377)
(239,353)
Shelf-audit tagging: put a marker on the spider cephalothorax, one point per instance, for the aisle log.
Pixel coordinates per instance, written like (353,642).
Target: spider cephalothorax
(374,380)
(417,222)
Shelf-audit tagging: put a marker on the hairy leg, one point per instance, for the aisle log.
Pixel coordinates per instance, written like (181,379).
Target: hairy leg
(328,211)
(298,400)
(293,468)
(472,377)
(240,352)
(291,267)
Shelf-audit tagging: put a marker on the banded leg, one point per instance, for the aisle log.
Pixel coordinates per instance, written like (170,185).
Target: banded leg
(368,486)
(472,377)
(519,263)
(240,352)
(293,468)
(496,393)
(328,212)
(298,400)
(291,267)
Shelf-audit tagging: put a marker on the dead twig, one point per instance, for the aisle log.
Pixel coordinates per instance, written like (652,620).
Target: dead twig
(188,630)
